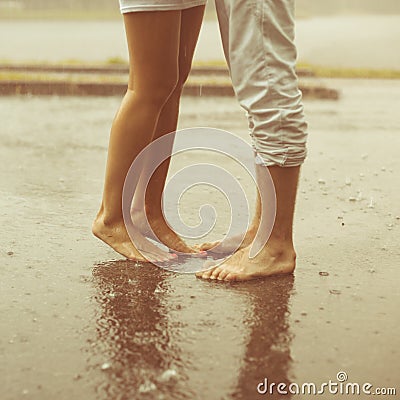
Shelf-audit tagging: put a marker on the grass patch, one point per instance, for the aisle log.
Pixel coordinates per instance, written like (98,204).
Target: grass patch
(116,61)
(351,73)
(317,71)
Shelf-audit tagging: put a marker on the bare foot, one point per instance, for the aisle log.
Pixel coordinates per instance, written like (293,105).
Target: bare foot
(231,244)
(272,260)
(162,232)
(117,237)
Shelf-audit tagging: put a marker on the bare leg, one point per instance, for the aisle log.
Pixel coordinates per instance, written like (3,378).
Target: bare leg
(154,61)
(278,255)
(190,27)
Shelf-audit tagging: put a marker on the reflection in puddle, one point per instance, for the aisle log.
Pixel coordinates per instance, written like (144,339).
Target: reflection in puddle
(133,329)
(170,336)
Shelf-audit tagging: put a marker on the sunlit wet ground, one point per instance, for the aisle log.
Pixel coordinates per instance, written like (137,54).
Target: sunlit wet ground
(76,323)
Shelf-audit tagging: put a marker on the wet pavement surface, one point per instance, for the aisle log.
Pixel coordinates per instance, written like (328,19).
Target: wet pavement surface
(78,322)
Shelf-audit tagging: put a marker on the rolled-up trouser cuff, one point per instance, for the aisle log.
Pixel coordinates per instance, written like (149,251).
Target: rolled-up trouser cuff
(258,41)
(276,158)
(279,135)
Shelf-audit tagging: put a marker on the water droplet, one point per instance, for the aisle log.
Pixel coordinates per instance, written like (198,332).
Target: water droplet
(106,366)
(158,290)
(147,387)
(168,375)
(371,203)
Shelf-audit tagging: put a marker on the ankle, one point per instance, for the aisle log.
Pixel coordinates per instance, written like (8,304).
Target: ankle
(108,219)
(280,248)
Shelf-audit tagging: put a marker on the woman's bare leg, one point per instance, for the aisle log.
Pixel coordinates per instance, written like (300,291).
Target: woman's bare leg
(190,27)
(153,42)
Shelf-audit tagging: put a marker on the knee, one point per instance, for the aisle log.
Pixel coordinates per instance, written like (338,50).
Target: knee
(158,91)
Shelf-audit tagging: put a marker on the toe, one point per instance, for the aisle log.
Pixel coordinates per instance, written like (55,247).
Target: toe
(206,274)
(208,245)
(196,247)
(216,272)
(207,270)
(223,274)
(230,277)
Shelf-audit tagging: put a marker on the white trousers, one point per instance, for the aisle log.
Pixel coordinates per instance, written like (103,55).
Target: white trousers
(258,41)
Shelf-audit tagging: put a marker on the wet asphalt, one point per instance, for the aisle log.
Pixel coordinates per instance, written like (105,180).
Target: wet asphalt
(77,321)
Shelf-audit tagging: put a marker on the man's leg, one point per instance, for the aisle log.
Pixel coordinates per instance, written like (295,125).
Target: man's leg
(277,255)
(259,45)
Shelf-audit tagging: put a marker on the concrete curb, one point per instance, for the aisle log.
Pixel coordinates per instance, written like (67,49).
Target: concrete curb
(69,80)
(118,69)
(62,88)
